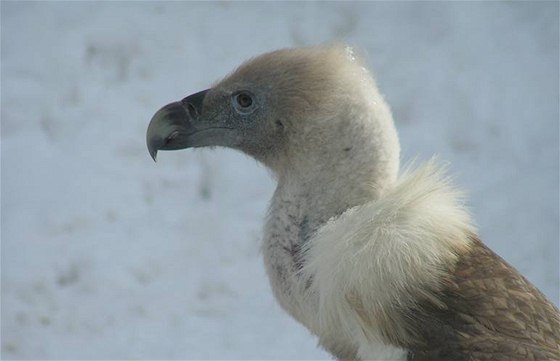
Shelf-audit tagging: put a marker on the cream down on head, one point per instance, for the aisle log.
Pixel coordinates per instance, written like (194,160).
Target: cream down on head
(291,109)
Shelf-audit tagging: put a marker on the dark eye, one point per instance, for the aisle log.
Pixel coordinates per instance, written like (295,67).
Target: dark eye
(244,100)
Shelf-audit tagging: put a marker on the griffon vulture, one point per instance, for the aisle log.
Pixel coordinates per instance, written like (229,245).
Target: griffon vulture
(380,265)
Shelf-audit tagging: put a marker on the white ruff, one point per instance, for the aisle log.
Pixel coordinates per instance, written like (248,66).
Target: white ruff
(384,253)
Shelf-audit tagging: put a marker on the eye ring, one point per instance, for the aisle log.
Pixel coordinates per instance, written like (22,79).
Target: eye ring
(244,102)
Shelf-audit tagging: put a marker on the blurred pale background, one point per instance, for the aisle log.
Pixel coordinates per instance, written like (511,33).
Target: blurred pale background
(106,255)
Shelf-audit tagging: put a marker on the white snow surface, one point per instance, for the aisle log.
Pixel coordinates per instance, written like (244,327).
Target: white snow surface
(106,255)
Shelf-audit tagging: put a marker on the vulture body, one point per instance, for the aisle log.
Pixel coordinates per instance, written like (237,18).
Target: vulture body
(379,265)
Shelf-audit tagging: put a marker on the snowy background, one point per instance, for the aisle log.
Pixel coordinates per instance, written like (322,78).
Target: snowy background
(106,255)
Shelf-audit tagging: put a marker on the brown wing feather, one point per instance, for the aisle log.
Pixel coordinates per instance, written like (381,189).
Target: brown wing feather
(492,313)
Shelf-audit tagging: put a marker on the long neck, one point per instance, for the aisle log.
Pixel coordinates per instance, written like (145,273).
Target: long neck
(334,172)
(328,174)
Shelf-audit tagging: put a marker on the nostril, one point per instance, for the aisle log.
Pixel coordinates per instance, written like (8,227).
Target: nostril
(192,110)
(193,104)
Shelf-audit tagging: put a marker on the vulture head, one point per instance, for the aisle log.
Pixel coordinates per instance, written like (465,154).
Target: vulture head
(288,109)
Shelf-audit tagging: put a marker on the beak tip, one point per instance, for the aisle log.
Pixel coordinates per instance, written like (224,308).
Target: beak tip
(153,154)
(152,148)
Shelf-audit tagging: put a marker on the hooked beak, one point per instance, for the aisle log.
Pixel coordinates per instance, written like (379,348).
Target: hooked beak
(176,125)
